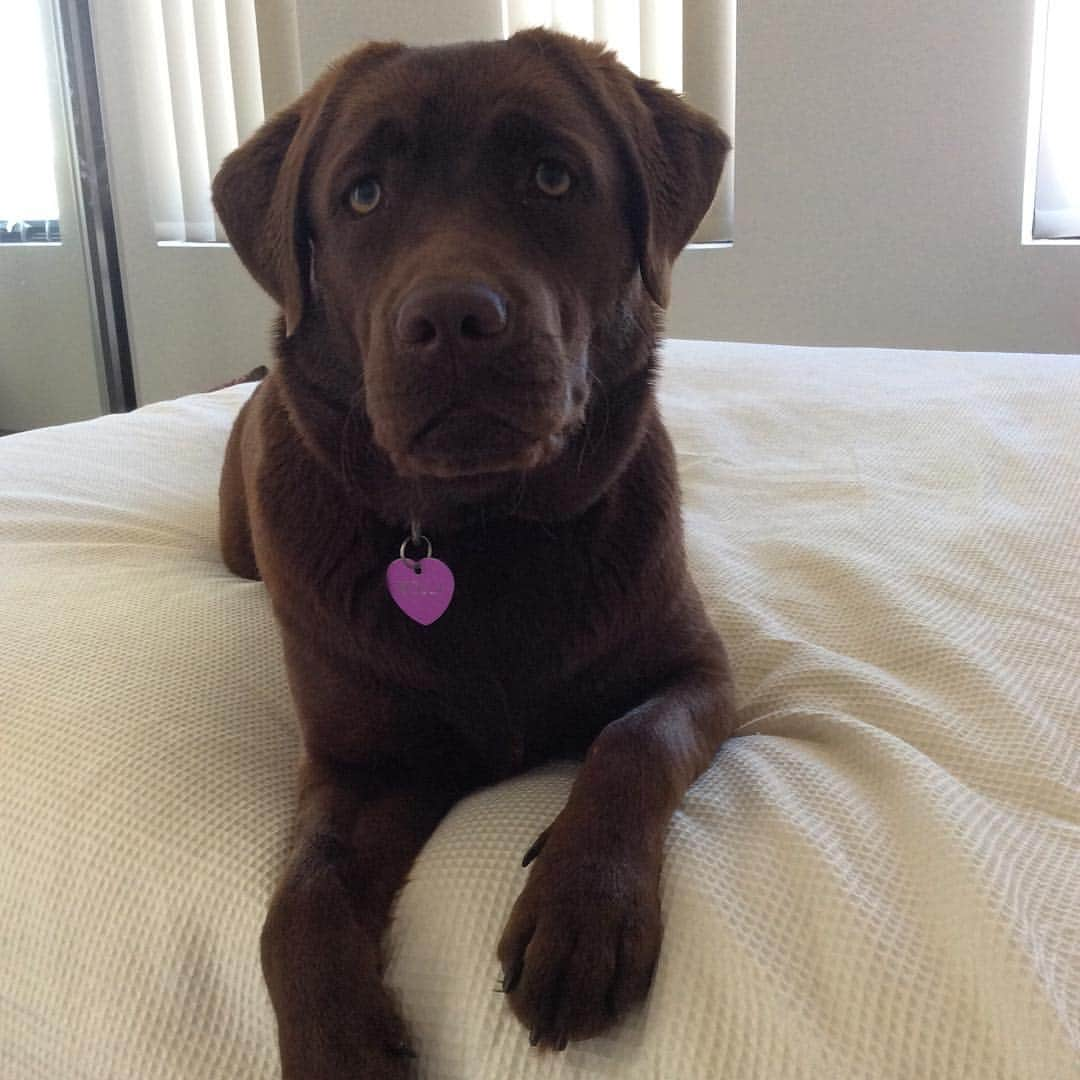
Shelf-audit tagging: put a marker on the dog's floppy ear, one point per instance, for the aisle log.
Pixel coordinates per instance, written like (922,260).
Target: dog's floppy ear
(258,191)
(256,194)
(680,154)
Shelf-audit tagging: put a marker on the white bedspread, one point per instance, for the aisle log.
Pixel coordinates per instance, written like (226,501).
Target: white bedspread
(880,878)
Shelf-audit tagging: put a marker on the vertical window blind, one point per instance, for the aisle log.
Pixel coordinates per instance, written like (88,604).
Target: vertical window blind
(216,68)
(1057,176)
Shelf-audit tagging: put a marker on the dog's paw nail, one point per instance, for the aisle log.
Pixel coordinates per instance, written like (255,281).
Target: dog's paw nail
(401,1049)
(561,1042)
(511,975)
(534,1037)
(536,848)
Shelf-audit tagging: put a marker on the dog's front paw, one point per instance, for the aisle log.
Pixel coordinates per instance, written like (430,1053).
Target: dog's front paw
(581,942)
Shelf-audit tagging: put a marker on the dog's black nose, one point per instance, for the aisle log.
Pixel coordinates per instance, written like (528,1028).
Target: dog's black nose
(461,317)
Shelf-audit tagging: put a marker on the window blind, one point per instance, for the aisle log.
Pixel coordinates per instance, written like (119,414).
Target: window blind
(223,66)
(1057,176)
(216,68)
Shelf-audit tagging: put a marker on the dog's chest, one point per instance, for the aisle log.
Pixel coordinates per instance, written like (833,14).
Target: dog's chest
(523,661)
(539,647)
(524,611)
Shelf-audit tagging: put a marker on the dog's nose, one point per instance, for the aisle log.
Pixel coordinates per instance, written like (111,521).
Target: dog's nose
(463,317)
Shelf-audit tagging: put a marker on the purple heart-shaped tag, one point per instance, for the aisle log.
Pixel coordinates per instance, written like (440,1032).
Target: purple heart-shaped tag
(422,588)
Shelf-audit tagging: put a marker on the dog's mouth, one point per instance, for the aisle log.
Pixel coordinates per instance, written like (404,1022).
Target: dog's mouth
(463,441)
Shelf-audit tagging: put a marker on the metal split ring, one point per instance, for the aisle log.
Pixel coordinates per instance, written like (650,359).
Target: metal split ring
(414,540)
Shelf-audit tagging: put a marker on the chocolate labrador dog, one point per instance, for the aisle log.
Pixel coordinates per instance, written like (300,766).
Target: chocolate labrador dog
(457,488)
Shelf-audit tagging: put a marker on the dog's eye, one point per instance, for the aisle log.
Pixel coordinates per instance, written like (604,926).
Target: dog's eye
(552,178)
(365,195)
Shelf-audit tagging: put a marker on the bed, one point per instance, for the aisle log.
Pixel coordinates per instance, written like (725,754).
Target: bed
(879,877)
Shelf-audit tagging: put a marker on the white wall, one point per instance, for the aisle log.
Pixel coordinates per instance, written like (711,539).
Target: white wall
(329,28)
(48,365)
(879,183)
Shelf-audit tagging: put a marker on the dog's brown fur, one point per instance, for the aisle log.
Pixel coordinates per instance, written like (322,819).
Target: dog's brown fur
(477,356)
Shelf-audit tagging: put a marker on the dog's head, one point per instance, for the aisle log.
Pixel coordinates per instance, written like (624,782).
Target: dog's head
(456,226)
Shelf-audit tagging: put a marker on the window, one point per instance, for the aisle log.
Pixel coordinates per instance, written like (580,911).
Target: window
(212,70)
(1053,187)
(28,203)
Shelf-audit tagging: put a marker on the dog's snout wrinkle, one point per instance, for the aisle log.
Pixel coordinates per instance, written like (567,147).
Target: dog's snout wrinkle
(465,318)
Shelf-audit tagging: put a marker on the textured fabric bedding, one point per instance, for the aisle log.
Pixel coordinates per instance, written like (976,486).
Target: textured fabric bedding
(879,878)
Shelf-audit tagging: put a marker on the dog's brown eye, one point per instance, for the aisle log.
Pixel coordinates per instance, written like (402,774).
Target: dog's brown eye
(552,178)
(365,195)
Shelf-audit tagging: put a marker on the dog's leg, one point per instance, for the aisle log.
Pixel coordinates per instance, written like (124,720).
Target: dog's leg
(321,945)
(234,526)
(582,940)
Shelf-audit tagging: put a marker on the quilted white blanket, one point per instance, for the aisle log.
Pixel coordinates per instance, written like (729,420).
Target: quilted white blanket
(880,878)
